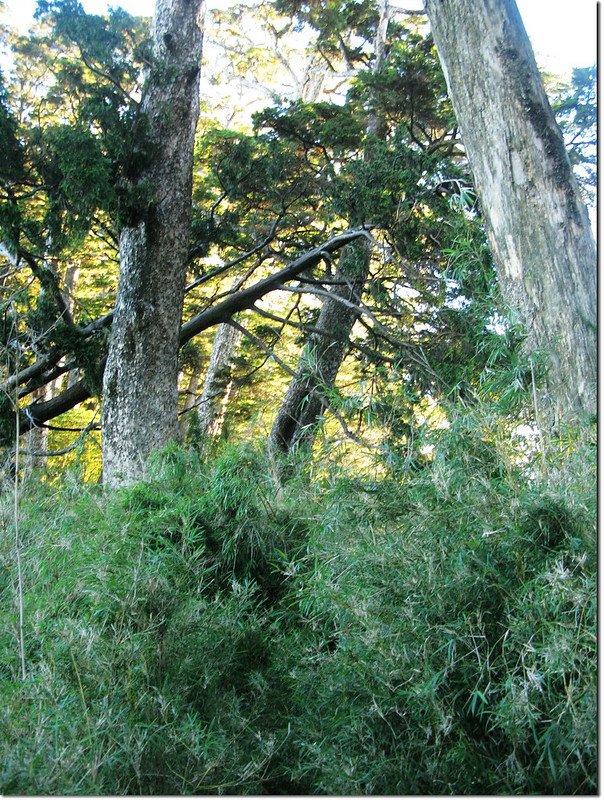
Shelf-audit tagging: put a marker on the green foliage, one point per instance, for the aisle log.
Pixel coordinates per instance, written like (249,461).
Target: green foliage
(82,139)
(112,43)
(315,125)
(148,648)
(217,630)
(410,86)
(11,150)
(333,19)
(11,170)
(422,608)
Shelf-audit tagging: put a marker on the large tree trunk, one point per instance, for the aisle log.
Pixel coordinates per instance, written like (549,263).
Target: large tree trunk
(537,224)
(218,381)
(306,397)
(140,392)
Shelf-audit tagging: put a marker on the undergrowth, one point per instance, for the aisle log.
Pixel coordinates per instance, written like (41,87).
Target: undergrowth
(218,629)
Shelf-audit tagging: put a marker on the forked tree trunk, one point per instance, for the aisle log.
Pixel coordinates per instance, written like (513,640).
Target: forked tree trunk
(140,391)
(537,224)
(218,381)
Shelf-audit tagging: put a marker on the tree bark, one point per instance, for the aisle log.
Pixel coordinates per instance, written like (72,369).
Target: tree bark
(218,381)
(537,224)
(140,390)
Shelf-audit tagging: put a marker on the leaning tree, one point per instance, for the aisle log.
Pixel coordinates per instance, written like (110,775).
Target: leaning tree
(537,223)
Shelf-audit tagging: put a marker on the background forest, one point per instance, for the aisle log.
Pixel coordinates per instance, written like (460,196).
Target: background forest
(362,560)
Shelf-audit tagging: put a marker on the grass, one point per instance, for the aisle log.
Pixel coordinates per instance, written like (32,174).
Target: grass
(219,629)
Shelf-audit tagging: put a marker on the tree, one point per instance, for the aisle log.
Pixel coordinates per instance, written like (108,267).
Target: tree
(320,361)
(140,393)
(537,223)
(218,380)
(394,183)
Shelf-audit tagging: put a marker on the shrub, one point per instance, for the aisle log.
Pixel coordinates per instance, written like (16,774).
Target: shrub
(219,629)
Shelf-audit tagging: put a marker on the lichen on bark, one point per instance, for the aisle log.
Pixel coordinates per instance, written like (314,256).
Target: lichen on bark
(140,405)
(537,223)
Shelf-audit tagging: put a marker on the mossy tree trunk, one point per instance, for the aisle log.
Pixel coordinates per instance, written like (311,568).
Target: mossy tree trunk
(140,388)
(537,223)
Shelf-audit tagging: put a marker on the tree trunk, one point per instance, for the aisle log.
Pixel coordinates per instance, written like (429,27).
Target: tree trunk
(537,224)
(140,391)
(70,279)
(218,382)
(305,399)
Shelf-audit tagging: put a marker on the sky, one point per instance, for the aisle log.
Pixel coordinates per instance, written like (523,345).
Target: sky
(563,33)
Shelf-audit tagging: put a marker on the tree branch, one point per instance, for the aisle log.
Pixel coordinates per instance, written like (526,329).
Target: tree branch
(292,373)
(37,369)
(39,412)
(246,298)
